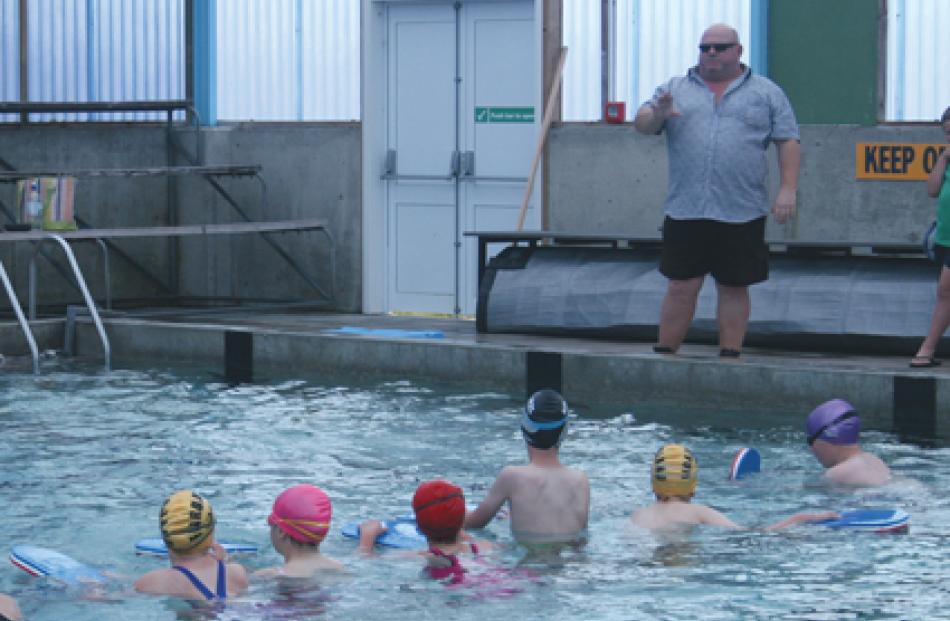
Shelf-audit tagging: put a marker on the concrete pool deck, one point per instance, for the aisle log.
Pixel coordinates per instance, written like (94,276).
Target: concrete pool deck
(282,342)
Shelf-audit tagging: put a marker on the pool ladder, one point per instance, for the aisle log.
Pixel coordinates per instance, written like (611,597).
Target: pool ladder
(90,303)
(11,294)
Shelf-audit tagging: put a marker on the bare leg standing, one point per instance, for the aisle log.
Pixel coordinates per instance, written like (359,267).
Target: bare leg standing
(679,306)
(732,313)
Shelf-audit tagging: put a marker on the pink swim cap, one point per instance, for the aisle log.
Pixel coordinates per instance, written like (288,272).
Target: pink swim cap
(303,512)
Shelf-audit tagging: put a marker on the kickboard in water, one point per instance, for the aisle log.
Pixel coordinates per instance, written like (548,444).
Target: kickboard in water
(155,546)
(746,461)
(874,520)
(401,532)
(38,561)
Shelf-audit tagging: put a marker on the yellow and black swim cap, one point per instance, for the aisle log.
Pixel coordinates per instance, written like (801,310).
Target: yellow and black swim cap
(674,471)
(186,522)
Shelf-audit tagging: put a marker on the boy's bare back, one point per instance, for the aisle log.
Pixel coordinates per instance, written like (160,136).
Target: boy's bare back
(548,501)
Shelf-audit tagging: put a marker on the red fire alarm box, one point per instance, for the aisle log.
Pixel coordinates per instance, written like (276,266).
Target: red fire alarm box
(615,112)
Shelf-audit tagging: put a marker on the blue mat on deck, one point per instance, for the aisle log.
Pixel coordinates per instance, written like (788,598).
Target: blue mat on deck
(388,332)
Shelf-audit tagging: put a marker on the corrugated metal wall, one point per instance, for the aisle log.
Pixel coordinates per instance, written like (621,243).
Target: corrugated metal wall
(580,27)
(666,35)
(288,60)
(299,59)
(96,50)
(918,49)
(9,53)
(656,39)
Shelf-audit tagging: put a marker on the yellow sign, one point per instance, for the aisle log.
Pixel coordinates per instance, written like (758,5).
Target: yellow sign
(895,161)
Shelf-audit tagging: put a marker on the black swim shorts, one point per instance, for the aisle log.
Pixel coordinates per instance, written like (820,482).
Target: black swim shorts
(735,254)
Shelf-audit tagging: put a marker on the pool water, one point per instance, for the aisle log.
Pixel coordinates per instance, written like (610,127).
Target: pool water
(88,458)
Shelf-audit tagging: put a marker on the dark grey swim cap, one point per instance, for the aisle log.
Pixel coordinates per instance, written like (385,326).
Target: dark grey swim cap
(544,420)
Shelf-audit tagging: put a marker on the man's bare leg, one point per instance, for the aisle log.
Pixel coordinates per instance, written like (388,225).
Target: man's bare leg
(732,313)
(679,306)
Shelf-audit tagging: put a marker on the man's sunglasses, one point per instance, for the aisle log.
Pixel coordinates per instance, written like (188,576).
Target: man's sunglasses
(811,439)
(719,47)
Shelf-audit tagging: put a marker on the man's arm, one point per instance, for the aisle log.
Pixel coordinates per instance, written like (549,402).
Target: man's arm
(651,116)
(496,497)
(789,163)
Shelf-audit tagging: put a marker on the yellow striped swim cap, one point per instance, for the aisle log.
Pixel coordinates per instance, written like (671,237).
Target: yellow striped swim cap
(186,521)
(674,471)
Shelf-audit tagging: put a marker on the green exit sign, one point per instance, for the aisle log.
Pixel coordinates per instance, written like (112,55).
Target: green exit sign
(499,114)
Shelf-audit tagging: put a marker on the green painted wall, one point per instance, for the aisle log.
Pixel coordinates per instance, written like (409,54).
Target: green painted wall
(824,54)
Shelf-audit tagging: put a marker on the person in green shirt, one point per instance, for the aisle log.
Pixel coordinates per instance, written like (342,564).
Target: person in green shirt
(938,186)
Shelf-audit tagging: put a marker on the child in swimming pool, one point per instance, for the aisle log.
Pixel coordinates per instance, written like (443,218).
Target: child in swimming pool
(186,521)
(674,477)
(548,501)
(832,433)
(440,510)
(9,610)
(299,521)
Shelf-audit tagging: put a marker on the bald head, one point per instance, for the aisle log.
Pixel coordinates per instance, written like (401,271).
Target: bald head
(720,33)
(719,52)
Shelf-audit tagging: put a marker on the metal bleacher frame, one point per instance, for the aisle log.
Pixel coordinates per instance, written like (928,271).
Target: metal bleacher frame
(174,147)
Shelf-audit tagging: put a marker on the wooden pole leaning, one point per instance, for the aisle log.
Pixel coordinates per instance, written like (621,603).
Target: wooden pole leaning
(545,124)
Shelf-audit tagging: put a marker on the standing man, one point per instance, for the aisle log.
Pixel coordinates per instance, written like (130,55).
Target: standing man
(719,121)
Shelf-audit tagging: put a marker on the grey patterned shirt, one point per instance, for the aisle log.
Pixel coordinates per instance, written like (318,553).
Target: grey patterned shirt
(717,153)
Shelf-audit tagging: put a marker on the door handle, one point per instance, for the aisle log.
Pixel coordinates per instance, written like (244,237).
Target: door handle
(391,174)
(468,164)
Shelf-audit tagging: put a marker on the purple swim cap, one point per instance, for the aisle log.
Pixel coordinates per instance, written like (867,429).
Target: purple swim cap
(834,421)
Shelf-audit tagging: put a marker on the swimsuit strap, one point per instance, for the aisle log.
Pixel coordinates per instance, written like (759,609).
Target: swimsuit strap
(198,584)
(455,570)
(222,585)
(222,580)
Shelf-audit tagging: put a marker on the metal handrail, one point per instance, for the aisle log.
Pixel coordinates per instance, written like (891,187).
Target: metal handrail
(24,325)
(90,303)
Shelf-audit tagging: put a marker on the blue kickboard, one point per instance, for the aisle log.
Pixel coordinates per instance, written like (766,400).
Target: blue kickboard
(155,546)
(746,461)
(38,561)
(388,332)
(401,532)
(875,520)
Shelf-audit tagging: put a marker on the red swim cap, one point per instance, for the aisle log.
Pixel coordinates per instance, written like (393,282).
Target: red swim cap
(440,509)
(303,512)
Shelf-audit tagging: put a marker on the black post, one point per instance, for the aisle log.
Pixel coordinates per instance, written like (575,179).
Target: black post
(238,357)
(542,370)
(915,407)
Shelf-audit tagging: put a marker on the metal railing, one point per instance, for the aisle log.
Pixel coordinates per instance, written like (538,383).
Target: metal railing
(90,303)
(24,325)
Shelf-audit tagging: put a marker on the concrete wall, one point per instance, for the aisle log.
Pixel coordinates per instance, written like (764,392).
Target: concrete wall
(611,179)
(310,171)
(603,179)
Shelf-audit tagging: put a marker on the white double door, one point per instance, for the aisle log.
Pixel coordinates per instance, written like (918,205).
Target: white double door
(461,129)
